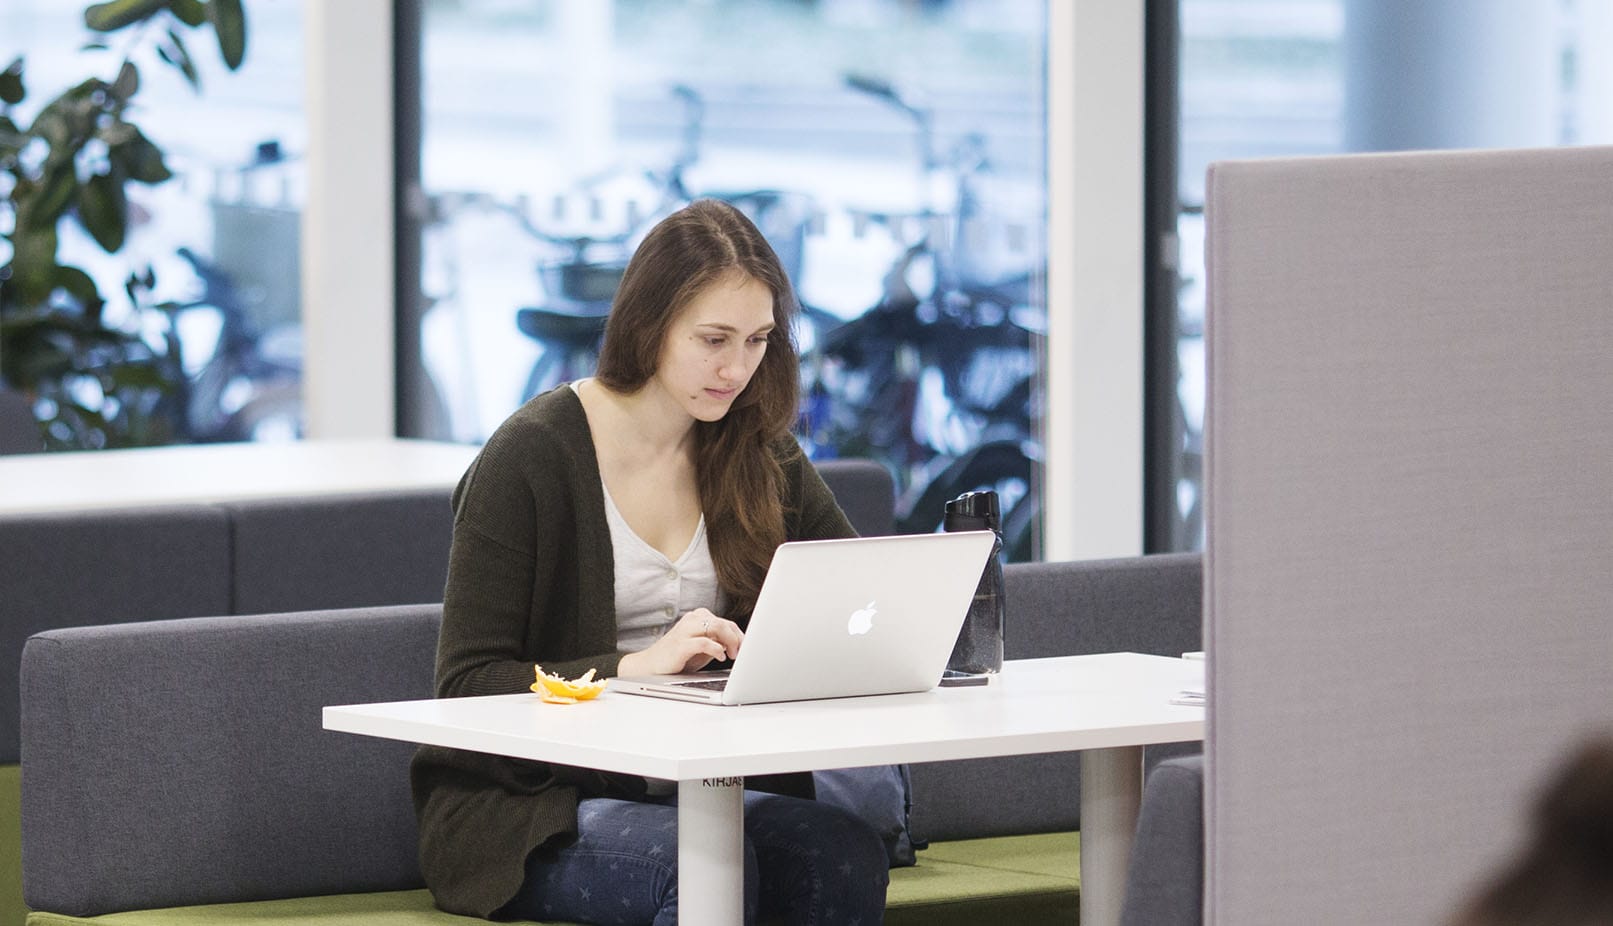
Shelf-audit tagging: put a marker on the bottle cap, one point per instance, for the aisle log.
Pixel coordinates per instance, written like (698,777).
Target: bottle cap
(973,511)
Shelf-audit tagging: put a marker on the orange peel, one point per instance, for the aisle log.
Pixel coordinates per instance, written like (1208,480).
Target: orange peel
(558,690)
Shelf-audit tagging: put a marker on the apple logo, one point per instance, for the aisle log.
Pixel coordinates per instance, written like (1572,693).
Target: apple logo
(862,620)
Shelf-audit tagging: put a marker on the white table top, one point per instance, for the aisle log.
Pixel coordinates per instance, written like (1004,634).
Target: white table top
(1036,705)
(202,473)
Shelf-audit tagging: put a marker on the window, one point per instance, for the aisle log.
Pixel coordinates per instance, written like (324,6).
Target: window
(1264,78)
(208,343)
(892,152)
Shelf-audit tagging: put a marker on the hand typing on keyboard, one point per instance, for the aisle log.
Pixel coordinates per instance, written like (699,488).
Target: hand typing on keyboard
(695,641)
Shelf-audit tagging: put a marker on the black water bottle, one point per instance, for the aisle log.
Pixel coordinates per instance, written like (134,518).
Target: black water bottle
(978,654)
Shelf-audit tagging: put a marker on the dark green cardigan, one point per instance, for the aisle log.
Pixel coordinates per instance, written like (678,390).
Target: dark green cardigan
(531,578)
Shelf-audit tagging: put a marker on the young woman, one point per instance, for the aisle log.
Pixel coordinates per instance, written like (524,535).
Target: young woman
(624,524)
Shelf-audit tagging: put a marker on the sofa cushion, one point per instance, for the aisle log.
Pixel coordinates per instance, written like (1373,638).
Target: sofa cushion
(1165,878)
(12,909)
(154,775)
(1021,879)
(387,908)
(1011,879)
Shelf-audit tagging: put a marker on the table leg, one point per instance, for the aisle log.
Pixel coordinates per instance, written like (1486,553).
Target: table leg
(711,851)
(1111,795)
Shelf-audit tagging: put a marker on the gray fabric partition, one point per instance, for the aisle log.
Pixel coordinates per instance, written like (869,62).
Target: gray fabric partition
(347,551)
(59,570)
(158,753)
(1410,523)
(1144,604)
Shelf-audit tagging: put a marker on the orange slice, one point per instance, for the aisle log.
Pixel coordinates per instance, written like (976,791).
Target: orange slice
(558,690)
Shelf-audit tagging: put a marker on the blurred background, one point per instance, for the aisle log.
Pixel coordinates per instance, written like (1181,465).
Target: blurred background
(895,152)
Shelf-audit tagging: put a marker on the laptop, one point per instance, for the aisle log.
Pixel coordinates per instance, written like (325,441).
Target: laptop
(844,618)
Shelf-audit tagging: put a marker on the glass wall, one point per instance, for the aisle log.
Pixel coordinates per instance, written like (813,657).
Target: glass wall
(168,311)
(893,152)
(1306,77)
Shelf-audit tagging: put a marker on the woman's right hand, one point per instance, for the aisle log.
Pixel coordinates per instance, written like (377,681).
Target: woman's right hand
(698,638)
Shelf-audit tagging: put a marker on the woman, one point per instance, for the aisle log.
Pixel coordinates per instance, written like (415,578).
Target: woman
(624,524)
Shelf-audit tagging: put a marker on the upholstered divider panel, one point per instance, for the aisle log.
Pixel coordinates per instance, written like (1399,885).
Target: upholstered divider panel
(1143,604)
(66,569)
(865,491)
(193,826)
(1409,519)
(346,551)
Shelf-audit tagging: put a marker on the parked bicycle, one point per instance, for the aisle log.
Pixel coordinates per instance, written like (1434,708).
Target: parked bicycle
(580,277)
(246,386)
(939,377)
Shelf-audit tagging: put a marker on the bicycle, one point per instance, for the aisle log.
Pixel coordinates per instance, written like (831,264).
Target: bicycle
(939,377)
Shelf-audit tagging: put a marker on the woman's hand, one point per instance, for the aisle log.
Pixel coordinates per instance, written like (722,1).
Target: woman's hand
(689,645)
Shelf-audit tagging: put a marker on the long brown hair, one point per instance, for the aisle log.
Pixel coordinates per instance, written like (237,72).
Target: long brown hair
(738,475)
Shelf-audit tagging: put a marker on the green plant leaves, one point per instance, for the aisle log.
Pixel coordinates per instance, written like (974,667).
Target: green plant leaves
(33,263)
(55,192)
(103,209)
(56,340)
(175,53)
(127,83)
(139,159)
(11,88)
(77,284)
(115,14)
(190,12)
(229,21)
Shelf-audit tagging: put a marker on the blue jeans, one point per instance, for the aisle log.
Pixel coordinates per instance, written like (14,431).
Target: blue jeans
(805,862)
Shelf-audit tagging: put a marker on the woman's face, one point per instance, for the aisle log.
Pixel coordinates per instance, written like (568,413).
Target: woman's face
(715,345)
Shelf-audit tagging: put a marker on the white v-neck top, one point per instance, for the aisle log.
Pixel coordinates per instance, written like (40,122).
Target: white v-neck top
(653,591)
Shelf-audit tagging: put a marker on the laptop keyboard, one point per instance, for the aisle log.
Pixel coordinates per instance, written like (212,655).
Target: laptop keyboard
(715,684)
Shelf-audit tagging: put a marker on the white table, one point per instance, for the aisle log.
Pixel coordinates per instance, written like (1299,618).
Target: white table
(202,473)
(1108,706)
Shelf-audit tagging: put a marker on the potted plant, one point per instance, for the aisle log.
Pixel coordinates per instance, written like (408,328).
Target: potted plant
(94,383)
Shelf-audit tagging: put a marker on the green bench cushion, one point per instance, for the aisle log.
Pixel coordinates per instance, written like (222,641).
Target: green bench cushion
(388,908)
(998,879)
(1057,855)
(11,906)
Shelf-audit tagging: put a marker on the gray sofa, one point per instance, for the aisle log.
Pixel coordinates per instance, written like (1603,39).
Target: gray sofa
(244,557)
(1165,880)
(187,833)
(181,764)
(104,567)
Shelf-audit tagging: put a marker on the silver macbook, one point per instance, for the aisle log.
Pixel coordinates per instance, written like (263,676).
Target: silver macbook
(839,618)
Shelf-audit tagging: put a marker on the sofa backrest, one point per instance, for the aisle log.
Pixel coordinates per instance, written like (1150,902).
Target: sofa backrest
(19,432)
(261,556)
(865,491)
(1142,604)
(348,551)
(59,570)
(181,762)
